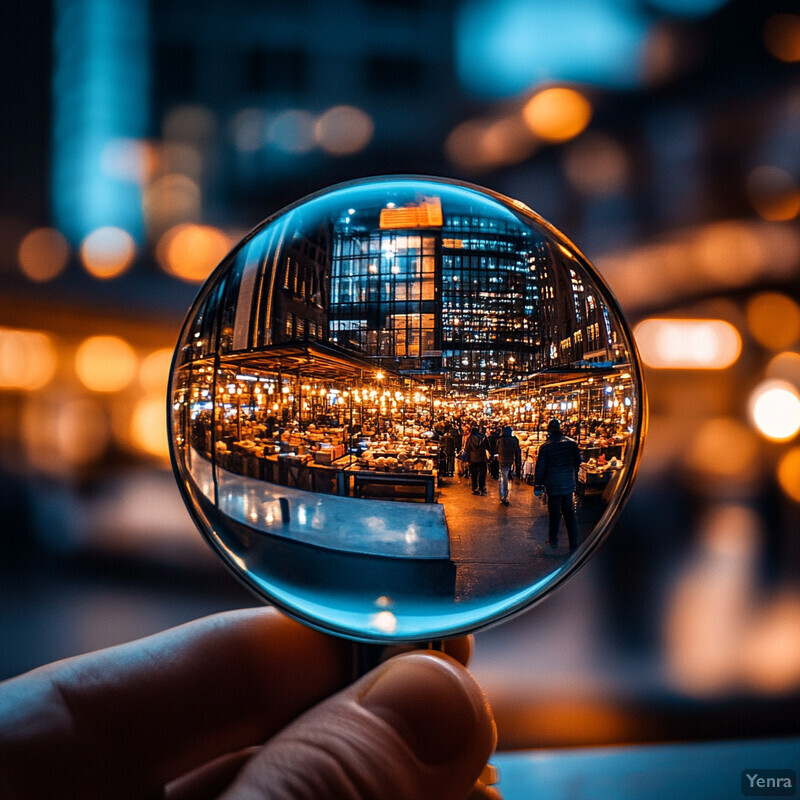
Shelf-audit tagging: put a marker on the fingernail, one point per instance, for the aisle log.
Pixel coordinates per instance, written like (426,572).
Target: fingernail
(434,704)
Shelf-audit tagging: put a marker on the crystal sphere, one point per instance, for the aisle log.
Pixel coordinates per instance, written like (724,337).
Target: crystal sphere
(405,408)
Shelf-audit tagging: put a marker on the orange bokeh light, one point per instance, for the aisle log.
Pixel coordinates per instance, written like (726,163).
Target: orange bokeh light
(773,320)
(557,114)
(43,254)
(63,432)
(785,367)
(688,343)
(105,363)
(723,447)
(597,165)
(27,359)
(782,36)
(789,473)
(149,426)
(154,372)
(343,130)
(171,200)
(190,252)
(774,194)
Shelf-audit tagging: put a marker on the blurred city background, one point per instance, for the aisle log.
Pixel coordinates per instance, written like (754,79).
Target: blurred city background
(141,140)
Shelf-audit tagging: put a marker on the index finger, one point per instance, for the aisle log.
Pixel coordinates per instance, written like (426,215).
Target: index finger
(125,721)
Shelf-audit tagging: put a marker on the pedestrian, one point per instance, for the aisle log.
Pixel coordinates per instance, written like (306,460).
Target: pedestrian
(448,447)
(509,457)
(557,470)
(477,451)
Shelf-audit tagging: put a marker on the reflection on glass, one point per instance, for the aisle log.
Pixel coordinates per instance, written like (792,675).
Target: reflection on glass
(326,389)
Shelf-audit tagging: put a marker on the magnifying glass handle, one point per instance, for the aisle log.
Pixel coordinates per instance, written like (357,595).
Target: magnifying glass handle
(367,656)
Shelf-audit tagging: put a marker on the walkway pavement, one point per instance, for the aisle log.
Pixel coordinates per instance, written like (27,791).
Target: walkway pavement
(500,549)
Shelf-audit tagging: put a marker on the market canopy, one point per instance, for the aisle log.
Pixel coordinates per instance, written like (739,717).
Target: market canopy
(313,359)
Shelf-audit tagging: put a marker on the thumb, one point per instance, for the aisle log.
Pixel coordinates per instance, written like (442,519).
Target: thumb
(416,727)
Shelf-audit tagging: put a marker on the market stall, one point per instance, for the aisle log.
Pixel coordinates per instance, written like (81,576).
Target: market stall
(314,418)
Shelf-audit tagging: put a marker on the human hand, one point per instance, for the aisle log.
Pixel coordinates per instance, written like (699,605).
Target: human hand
(244,705)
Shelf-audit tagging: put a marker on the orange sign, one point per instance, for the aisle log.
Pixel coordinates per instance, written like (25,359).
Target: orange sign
(426,214)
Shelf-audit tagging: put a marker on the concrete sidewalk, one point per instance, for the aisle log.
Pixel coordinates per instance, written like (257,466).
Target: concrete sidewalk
(500,549)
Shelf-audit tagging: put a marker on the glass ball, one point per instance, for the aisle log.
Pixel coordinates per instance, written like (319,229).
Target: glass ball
(405,408)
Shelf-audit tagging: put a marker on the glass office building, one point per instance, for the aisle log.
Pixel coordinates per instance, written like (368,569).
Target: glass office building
(470,303)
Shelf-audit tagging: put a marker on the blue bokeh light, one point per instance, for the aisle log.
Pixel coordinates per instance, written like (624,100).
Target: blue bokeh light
(503,47)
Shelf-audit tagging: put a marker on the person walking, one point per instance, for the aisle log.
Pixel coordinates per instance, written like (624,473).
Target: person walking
(556,470)
(509,456)
(477,450)
(448,447)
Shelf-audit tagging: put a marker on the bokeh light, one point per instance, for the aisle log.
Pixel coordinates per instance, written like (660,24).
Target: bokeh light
(596,164)
(502,47)
(63,432)
(775,410)
(190,252)
(725,448)
(782,36)
(785,367)
(506,140)
(774,194)
(464,145)
(190,122)
(149,426)
(773,320)
(557,114)
(789,473)
(129,159)
(43,254)
(688,343)
(27,359)
(709,601)
(730,252)
(247,128)
(154,372)
(291,131)
(771,657)
(107,252)
(667,54)
(485,143)
(343,130)
(105,363)
(171,200)
(181,158)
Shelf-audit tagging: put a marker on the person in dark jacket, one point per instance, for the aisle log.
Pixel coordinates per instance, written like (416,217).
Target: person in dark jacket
(448,447)
(509,456)
(477,451)
(493,437)
(557,471)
